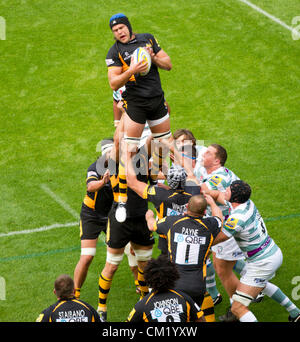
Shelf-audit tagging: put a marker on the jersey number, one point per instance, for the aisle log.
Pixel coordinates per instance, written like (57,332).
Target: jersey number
(188,249)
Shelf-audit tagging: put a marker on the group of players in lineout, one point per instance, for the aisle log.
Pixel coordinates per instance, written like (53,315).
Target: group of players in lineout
(203,211)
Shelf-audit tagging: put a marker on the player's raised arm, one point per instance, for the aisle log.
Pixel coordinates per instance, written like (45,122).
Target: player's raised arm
(151,222)
(132,182)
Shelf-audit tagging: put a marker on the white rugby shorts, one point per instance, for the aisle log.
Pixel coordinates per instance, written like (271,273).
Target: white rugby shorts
(228,250)
(258,273)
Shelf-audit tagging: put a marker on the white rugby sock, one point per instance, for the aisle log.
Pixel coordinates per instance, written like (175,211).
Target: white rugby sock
(248,317)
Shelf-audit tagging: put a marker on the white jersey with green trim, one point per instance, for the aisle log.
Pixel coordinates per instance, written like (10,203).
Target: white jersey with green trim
(247,227)
(219,179)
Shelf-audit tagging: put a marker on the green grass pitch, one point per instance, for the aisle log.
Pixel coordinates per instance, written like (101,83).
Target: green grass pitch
(235,81)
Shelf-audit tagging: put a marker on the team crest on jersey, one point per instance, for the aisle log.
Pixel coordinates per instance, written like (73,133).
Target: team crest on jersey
(215,180)
(151,191)
(231,223)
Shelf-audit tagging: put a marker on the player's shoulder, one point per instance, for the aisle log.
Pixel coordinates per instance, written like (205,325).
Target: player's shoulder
(113,48)
(238,217)
(213,223)
(172,219)
(222,177)
(232,222)
(92,167)
(46,313)
(111,55)
(83,304)
(143,36)
(92,171)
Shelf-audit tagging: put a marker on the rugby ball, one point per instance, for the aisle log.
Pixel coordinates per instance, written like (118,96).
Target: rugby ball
(142,54)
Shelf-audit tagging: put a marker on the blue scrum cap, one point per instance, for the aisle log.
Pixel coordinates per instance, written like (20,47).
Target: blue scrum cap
(120,18)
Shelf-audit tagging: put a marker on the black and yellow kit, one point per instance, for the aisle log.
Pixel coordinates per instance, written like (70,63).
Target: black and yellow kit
(167,203)
(169,306)
(119,55)
(143,97)
(134,228)
(96,205)
(189,241)
(69,310)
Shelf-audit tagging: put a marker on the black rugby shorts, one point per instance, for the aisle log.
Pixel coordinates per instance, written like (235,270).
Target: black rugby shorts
(141,109)
(134,229)
(91,225)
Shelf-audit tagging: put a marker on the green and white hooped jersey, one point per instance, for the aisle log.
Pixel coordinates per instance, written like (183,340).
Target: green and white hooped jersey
(219,179)
(247,227)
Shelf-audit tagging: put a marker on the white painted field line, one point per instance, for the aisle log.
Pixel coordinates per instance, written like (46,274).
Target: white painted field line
(61,202)
(270,16)
(40,229)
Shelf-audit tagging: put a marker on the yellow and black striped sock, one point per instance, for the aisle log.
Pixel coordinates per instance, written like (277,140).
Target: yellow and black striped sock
(104,287)
(122,182)
(208,308)
(142,285)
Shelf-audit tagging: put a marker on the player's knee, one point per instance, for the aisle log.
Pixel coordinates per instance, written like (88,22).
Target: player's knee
(162,135)
(132,143)
(241,301)
(87,255)
(143,254)
(114,259)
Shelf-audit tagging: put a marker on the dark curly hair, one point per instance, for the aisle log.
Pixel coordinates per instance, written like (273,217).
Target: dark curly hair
(161,274)
(240,191)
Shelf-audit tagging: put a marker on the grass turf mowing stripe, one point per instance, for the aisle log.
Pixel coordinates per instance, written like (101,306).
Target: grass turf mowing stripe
(272,17)
(102,243)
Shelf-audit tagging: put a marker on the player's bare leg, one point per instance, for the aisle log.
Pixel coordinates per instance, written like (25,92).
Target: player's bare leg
(132,134)
(113,259)
(241,300)
(160,130)
(143,255)
(224,269)
(88,251)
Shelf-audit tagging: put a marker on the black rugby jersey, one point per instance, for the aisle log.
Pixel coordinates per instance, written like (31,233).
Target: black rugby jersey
(69,310)
(100,201)
(119,55)
(169,306)
(135,205)
(167,202)
(189,241)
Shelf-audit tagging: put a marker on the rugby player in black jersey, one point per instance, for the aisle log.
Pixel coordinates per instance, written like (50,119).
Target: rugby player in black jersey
(134,230)
(164,304)
(189,240)
(168,201)
(94,211)
(68,308)
(143,98)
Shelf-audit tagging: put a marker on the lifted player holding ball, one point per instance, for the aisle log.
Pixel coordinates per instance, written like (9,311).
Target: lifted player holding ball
(143,99)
